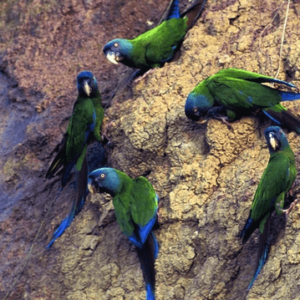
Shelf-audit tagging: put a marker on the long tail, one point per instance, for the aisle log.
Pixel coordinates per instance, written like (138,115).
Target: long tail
(59,165)
(284,118)
(58,161)
(249,228)
(124,83)
(174,10)
(264,247)
(286,96)
(81,192)
(147,256)
(193,13)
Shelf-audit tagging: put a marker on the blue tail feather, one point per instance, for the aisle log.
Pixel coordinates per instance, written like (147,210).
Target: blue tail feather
(135,241)
(66,222)
(281,82)
(272,118)
(248,224)
(61,229)
(150,292)
(286,96)
(174,10)
(261,263)
(147,255)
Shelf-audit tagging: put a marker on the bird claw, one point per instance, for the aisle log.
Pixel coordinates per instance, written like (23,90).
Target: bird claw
(224,120)
(291,191)
(104,130)
(159,218)
(287,211)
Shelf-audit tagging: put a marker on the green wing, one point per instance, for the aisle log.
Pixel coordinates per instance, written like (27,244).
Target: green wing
(81,122)
(122,205)
(144,205)
(249,76)
(158,44)
(275,181)
(238,93)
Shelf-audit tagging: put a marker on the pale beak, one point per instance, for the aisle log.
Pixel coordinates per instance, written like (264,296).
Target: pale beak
(111,56)
(201,121)
(91,188)
(87,88)
(273,141)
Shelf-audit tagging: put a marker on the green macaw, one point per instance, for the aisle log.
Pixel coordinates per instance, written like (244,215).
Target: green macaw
(158,45)
(271,192)
(84,125)
(235,93)
(136,204)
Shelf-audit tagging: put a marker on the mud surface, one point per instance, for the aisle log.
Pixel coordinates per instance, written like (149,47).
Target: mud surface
(205,175)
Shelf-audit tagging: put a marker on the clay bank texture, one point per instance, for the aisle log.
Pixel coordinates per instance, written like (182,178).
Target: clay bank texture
(205,174)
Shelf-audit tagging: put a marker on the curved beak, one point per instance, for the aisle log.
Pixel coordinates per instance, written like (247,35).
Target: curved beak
(91,187)
(273,141)
(111,56)
(93,184)
(87,89)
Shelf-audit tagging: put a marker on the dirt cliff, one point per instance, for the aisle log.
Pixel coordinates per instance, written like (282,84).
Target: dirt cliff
(205,175)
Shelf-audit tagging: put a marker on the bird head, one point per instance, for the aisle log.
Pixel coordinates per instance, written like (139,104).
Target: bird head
(104,180)
(118,50)
(86,84)
(276,138)
(198,102)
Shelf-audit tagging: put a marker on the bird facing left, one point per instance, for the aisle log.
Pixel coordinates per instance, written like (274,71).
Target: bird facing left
(136,204)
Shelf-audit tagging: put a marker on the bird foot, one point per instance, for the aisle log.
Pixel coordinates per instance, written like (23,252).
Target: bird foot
(144,75)
(287,211)
(104,130)
(291,191)
(225,121)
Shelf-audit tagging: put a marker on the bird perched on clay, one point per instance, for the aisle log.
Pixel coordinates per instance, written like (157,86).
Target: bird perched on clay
(271,192)
(232,93)
(158,45)
(136,204)
(84,126)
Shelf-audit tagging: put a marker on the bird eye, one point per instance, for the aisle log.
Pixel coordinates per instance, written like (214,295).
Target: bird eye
(102,175)
(195,109)
(116,45)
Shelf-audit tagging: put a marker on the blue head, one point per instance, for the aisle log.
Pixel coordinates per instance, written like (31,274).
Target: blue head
(118,50)
(104,180)
(86,84)
(276,139)
(198,102)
